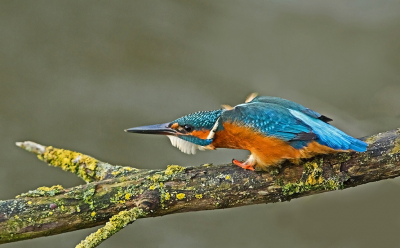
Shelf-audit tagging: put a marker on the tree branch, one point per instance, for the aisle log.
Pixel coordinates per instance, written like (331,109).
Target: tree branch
(115,189)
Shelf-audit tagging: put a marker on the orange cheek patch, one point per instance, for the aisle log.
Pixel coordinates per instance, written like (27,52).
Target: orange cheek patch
(202,134)
(175,125)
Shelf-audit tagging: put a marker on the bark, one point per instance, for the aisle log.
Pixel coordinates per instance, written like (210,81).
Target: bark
(114,189)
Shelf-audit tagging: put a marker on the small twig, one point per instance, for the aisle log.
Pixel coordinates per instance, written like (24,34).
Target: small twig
(86,167)
(114,225)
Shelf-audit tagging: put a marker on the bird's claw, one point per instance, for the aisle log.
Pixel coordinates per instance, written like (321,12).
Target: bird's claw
(243,165)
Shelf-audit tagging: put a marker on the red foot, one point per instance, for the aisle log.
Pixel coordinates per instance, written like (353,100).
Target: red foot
(243,165)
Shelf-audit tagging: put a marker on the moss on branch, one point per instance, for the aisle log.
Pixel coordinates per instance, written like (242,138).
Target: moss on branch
(84,166)
(114,225)
(116,189)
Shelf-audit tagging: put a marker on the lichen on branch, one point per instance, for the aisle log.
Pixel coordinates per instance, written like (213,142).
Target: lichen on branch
(75,162)
(84,166)
(43,191)
(115,224)
(116,190)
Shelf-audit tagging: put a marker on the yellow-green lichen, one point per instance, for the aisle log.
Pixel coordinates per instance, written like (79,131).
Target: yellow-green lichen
(314,172)
(171,169)
(180,196)
(301,187)
(156,186)
(93,214)
(199,196)
(128,196)
(224,185)
(115,224)
(312,180)
(278,181)
(115,173)
(86,196)
(156,178)
(42,191)
(157,182)
(227,177)
(274,171)
(396,148)
(123,194)
(121,170)
(167,196)
(343,157)
(371,139)
(119,196)
(75,162)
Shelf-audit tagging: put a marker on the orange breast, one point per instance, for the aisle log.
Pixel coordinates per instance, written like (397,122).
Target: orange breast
(267,150)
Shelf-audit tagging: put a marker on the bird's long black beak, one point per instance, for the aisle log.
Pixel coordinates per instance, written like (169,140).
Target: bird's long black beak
(153,129)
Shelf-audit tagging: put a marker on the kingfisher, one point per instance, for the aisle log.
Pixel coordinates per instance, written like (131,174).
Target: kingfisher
(271,128)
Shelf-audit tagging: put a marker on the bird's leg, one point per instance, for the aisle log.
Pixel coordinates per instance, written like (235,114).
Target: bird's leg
(245,165)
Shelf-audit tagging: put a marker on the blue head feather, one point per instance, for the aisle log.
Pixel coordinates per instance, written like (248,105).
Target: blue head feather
(199,121)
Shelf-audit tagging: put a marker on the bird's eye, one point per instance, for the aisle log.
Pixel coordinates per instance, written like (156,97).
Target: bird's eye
(188,128)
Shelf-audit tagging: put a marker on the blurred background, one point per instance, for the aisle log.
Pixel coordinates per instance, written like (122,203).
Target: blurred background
(75,74)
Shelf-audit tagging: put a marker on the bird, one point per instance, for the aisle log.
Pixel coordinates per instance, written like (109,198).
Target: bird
(273,129)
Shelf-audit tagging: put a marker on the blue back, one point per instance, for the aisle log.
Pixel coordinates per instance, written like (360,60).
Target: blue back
(291,123)
(291,105)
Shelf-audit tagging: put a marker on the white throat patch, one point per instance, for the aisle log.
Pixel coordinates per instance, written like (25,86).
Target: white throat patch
(183,145)
(189,147)
(212,131)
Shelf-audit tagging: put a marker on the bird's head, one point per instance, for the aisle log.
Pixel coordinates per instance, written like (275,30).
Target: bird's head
(188,133)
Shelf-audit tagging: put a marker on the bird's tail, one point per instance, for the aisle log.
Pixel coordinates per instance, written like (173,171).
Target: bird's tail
(329,135)
(339,140)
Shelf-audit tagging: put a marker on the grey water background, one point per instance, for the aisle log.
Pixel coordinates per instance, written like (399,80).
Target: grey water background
(74,74)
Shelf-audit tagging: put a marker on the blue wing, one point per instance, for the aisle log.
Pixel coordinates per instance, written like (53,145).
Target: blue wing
(329,135)
(296,127)
(271,120)
(291,105)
